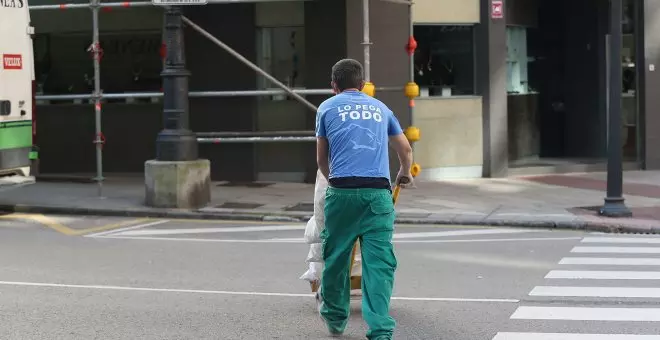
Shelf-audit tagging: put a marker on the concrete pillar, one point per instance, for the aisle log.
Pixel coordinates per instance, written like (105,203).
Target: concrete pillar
(491,84)
(649,83)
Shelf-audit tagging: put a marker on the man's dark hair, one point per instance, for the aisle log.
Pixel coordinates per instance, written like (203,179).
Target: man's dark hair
(348,74)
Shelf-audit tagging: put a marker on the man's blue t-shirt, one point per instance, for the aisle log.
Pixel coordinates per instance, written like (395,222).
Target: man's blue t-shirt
(357,127)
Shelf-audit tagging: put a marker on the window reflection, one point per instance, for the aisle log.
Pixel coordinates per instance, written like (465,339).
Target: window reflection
(444,60)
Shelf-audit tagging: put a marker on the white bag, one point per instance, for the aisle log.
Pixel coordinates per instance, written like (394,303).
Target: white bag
(313,274)
(316,224)
(315,270)
(315,253)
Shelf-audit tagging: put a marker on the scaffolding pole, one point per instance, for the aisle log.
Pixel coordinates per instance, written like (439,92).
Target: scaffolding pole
(257,134)
(200,94)
(96,51)
(366,40)
(127,4)
(249,63)
(237,140)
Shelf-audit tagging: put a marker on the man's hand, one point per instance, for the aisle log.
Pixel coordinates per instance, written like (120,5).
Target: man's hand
(402,147)
(404,179)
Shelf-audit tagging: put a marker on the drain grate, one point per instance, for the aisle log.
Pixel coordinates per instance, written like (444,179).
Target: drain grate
(301,207)
(245,184)
(239,205)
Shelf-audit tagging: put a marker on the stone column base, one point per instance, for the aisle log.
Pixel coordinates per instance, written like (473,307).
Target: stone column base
(183,185)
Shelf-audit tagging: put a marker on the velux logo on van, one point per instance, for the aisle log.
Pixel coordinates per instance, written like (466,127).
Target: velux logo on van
(12,61)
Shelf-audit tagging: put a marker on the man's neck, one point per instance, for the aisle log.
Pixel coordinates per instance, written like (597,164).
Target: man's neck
(350,90)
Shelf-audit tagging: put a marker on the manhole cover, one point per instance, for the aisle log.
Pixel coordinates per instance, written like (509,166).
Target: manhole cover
(239,205)
(245,184)
(301,207)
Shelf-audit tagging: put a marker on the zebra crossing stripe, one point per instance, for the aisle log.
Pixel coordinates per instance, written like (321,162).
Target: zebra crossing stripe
(601,292)
(611,261)
(616,250)
(638,240)
(572,336)
(587,314)
(603,275)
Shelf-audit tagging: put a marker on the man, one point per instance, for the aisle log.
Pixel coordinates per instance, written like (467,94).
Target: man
(352,132)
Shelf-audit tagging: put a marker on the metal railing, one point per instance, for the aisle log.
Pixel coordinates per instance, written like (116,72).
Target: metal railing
(200,94)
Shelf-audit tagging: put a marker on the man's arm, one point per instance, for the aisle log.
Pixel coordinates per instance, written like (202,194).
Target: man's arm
(322,146)
(400,144)
(322,156)
(403,150)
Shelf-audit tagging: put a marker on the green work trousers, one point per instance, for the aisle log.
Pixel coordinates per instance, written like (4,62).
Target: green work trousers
(366,215)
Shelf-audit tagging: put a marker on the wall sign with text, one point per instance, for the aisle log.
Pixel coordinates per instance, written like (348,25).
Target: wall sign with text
(497,9)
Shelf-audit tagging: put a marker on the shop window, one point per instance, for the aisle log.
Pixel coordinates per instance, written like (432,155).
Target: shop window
(517,61)
(130,62)
(445,60)
(280,52)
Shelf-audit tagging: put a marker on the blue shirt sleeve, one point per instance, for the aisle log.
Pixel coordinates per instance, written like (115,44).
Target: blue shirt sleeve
(320,124)
(393,125)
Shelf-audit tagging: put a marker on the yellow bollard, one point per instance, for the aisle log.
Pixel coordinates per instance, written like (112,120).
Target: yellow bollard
(369,89)
(412,134)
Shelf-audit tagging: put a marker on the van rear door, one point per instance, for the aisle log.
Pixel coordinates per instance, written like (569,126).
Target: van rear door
(16,75)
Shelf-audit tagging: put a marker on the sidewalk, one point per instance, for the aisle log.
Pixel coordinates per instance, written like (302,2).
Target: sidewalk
(550,201)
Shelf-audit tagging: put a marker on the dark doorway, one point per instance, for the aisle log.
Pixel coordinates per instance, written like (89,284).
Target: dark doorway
(567,77)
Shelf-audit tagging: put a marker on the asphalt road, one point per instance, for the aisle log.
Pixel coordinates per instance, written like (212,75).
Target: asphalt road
(112,278)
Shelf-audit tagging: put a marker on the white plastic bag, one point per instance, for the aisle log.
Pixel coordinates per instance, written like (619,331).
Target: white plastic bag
(316,224)
(315,254)
(313,274)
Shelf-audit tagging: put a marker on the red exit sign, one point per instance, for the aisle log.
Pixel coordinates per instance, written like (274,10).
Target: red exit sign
(12,61)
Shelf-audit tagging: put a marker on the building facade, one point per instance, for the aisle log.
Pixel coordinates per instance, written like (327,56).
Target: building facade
(507,87)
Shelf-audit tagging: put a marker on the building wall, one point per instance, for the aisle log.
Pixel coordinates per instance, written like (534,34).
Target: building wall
(446,11)
(451,144)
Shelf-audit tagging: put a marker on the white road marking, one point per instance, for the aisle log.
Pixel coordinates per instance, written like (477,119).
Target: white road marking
(464,232)
(611,261)
(641,240)
(490,240)
(601,292)
(587,314)
(144,225)
(225,292)
(302,241)
(572,336)
(187,239)
(603,275)
(616,250)
(155,232)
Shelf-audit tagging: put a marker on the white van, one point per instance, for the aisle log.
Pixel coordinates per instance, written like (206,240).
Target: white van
(17,89)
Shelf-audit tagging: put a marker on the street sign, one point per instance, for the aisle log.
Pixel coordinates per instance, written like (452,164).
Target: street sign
(178,2)
(497,9)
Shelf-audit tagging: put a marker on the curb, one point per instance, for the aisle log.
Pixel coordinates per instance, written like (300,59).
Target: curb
(608,226)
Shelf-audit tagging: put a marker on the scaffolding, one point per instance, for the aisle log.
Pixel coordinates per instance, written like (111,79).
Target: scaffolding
(97,96)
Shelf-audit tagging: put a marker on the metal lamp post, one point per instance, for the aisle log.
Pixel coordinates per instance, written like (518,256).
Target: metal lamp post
(614,202)
(175,142)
